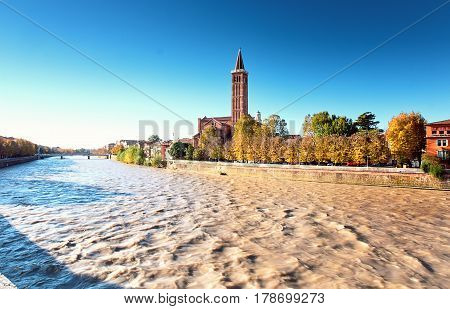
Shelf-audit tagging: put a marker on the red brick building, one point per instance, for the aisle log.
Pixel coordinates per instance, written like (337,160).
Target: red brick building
(438,139)
(239,104)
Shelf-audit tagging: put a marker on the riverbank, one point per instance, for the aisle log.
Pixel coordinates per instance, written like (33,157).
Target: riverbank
(5,283)
(14,161)
(375,176)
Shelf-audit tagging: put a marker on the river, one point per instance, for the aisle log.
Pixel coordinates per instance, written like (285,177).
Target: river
(78,223)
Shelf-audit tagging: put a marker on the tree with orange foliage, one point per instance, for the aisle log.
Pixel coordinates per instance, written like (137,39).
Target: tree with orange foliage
(406,136)
(116,149)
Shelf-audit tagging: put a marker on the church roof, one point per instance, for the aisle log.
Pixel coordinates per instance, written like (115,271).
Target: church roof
(239,62)
(220,121)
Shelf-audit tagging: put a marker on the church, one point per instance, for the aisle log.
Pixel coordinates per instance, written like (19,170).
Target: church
(239,104)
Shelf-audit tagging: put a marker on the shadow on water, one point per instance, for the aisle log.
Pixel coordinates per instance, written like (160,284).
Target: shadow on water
(29,266)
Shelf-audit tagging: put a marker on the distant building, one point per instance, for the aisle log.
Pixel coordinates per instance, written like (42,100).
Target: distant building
(258,117)
(438,138)
(146,147)
(165,145)
(127,142)
(151,149)
(186,140)
(157,148)
(239,104)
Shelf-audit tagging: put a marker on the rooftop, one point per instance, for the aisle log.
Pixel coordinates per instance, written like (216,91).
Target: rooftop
(439,122)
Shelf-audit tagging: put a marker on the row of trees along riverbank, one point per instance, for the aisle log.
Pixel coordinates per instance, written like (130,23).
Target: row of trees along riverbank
(12,148)
(326,139)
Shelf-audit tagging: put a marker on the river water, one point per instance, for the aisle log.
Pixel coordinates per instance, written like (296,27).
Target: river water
(78,223)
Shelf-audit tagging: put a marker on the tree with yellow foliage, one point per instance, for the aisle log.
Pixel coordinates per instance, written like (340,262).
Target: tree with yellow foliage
(369,147)
(378,148)
(264,143)
(307,150)
(276,149)
(292,151)
(359,148)
(228,153)
(406,136)
(339,149)
(254,144)
(260,143)
(211,143)
(321,150)
(242,137)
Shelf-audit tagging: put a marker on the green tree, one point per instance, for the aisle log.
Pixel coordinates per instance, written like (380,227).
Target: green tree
(178,150)
(277,125)
(154,138)
(189,152)
(322,124)
(342,125)
(433,166)
(132,155)
(366,122)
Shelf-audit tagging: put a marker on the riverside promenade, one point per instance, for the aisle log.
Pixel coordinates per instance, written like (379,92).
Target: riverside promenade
(375,176)
(13,161)
(19,160)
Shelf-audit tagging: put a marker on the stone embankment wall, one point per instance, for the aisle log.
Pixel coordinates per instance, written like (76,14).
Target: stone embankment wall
(14,161)
(378,176)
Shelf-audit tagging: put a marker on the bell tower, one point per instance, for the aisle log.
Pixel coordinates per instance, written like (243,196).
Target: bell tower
(239,90)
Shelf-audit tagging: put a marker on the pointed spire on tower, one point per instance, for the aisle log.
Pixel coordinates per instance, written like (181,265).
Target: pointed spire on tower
(239,62)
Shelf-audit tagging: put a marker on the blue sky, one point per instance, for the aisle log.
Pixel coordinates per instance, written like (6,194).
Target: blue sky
(181,53)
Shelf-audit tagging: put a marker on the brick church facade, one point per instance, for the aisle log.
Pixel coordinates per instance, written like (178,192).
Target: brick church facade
(239,104)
